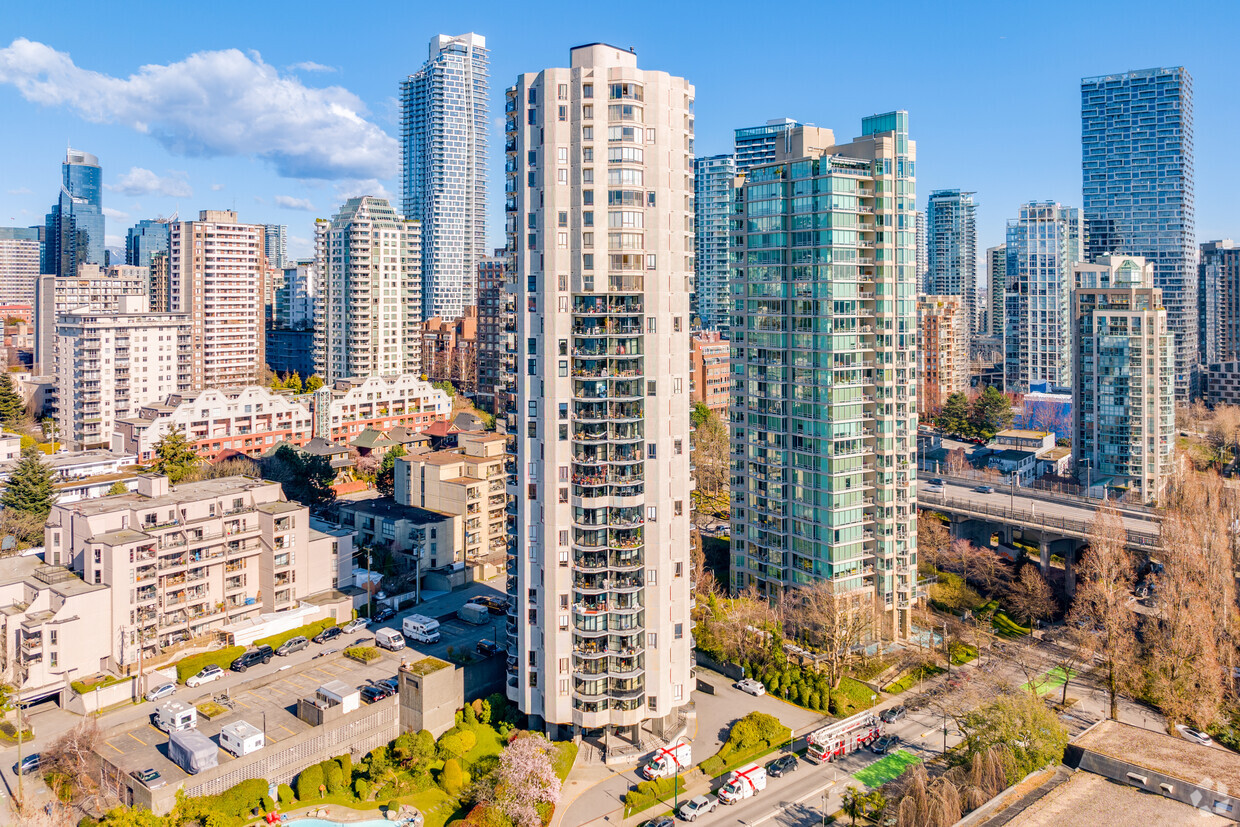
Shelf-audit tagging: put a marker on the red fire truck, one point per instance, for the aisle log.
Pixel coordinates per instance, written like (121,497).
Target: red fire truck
(837,740)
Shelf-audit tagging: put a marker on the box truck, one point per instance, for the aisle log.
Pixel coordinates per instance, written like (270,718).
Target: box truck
(744,782)
(668,761)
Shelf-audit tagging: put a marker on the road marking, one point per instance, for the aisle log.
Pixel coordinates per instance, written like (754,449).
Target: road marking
(136,738)
(780,811)
(286,729)
(243,703)
(113,746)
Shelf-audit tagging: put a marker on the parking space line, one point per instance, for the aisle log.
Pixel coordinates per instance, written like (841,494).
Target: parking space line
(113,746)
(136,738)
(286,729)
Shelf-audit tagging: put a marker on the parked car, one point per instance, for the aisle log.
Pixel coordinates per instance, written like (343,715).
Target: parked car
(895,713)
(495,605)
(376,692)
(149,777)
(262,654)
(486,648)
(161,691)
(1195,735)
(28,764)
(293,644)
(782,765)
(330,633)
(661,821)
(386,613)
(354,626)
(392,683)
(751,687)
(885,744)
(984,489)
(208,674)
(695,807)
(938,481)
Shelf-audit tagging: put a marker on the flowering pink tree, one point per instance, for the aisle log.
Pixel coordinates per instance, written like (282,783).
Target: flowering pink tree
(523,780)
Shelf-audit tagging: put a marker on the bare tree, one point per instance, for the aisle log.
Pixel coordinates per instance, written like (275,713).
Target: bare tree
(932,539)
(927,803)
(1071,650)
(1030,596)
(711,455)
(833,621)
(1103,603)
(71,763)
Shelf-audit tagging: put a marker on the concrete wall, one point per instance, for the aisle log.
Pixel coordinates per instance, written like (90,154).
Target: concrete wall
(97,699)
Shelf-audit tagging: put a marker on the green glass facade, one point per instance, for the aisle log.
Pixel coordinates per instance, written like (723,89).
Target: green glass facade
(824,370)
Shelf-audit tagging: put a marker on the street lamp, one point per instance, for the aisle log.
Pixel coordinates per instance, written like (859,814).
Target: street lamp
(824,809)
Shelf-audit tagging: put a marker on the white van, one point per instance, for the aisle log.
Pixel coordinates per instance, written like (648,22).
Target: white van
(421,628)
(389,639)
(175,716)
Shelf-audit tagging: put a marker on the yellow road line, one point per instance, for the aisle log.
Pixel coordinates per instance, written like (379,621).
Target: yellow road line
(136,738)
(118,749)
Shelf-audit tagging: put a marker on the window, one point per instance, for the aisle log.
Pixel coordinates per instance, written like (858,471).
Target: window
(563,496)
(587,133)
(678,446)
(563,433)
(564,538)
(676,324)
(652,702)
(587,176)
(533,680)
(587,111)
(650,387)
(563,622)
(562,92)
(563,602)
(561,177)
(564,687)
(652,640)
(676,386)
(587,263)
(678,507)
(652,577)
(679,570)
(561,156)
(562,219)
(678,631)
(650,450)
(650,326)
(587,219)
(652,513)
(587,90)
(587,198)
(563,367)
(561,240)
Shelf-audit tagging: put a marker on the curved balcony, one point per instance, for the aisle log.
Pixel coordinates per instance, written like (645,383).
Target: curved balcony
(632,702)
(626,432)
(625,583)
(589,625)
(617,622)
(590,670)
(590,434)
(588,647)
(624,389)
(625,412)
(626,668)
(625,561)
(616,476)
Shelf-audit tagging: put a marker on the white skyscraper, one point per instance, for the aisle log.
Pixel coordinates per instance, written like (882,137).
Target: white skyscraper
(275,245)
(444,126)
(600,222)
(367,314)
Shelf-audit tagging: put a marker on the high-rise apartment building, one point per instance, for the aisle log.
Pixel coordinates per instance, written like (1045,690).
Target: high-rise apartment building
(367,317)
(713,183)
(21,252)
(1123,366)
(109,363)
(951,250)
(1218,302)
(942,351)
(144,240)
(450,351)
(218,275)
(1137,178)
(923,253)
(100,290)
(996,288)
(74,227)
(756,145)
(497,344)
(1042,245)
(444,128)
(710,380)
(295,297)
(275,245)
(824,411)
(600,222)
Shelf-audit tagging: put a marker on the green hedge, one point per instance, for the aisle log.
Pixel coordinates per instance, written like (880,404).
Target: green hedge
(750,737)
(223,658)
(307,631)
(364,654)
(82,687)
(649,793)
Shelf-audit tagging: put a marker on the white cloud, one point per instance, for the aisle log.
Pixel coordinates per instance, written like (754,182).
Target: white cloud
(216,187)
(364,186)
(311,66)
(213,104)
(111,213)
(300,247)
(291,203)
(22,191)
(114,241)
(139,181)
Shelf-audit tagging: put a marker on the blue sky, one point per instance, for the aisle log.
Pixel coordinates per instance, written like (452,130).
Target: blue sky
(284,109)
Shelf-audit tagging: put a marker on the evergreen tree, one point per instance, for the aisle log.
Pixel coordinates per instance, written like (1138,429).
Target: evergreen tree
(314,383)
(293,383)
(304,478)
(30,490)
(276,384)
(385,480)
(954,418)
(174,457)
(12,408)
(992,412)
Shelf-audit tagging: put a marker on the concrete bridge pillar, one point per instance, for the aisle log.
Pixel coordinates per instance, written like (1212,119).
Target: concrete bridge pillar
(1044,556)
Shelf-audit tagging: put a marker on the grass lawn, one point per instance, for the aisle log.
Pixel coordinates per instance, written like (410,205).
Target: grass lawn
(488,744)
(564,759)
(912,679)
(1053,679)
(887,768)
(435,805)
(858,696)
(1005,626)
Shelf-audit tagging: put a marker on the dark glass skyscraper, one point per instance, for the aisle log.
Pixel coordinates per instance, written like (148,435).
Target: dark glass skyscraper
(145,239)
(1137,180)
(75,224)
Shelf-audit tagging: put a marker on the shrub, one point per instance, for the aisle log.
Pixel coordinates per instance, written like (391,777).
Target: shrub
(268,804)
(470,714)
(287,798)
(362,654)
(482,710)
(346,767)
(451,778)
(648,793)
(393,805)
(452,745)
(335,778)
(309,630)
(187,667)
(309,781)
(361,788)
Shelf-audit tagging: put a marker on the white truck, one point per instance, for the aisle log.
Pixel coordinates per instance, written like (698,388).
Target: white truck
(175,716)
(670,760)
(421,628)
(743,783)
(389,639)
(839,739)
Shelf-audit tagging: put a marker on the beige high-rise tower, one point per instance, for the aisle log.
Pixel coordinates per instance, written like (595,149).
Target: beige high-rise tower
(217,275)
(600,225)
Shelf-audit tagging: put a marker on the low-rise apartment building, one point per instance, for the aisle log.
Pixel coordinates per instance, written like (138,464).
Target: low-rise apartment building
(709,381)
(346,407)
(419,538)
(185,561)
(468,482)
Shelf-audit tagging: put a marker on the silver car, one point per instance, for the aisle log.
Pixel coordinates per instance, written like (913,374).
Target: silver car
(699,806)
(161,691)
